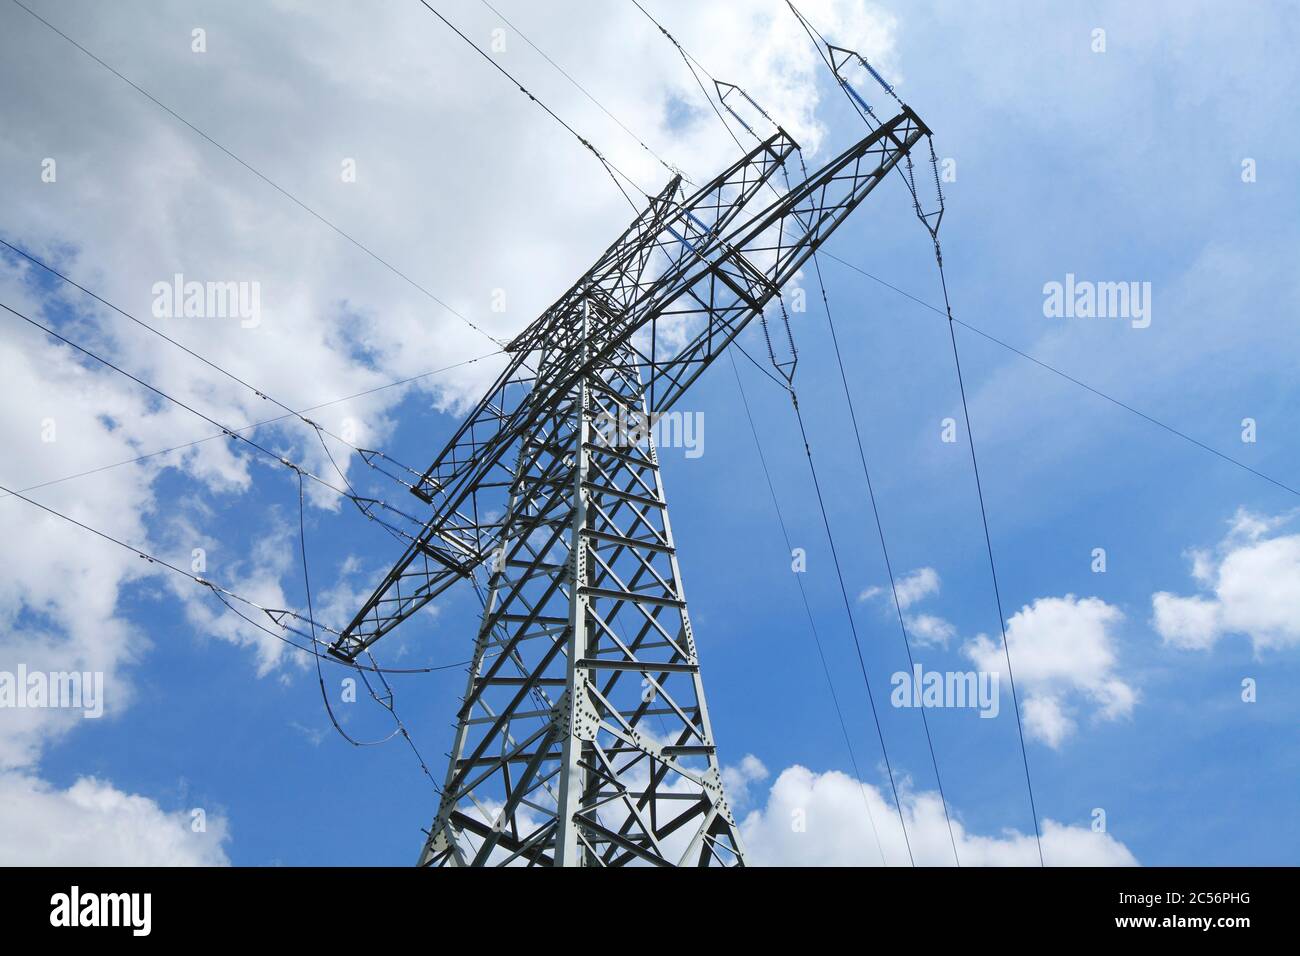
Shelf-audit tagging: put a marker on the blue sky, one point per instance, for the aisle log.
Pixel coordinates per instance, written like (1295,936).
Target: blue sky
(1123,165)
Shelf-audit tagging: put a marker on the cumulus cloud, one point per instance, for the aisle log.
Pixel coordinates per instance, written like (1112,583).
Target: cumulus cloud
(911,587)
(138,198)
(832,819)
(58,593)
(1251,585)
(924,630)
(738,779)
(92,823)
(1063,650)
(928,629)
(919,584)
(258,576)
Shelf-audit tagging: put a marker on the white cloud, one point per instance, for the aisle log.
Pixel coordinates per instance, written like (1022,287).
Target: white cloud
(813,819)
(924,630)
(1064,659)
(139,198)
(94,824)
(271,559)
(919,584)
(739,778)
(911,587)
(1045,720)
(927,630)
(1189,623)
(1253,580)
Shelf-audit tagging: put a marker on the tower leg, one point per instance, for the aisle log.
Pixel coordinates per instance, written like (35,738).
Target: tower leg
(583,737)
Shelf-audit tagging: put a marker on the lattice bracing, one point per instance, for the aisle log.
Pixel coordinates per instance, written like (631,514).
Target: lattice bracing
(694,270)
(583,737)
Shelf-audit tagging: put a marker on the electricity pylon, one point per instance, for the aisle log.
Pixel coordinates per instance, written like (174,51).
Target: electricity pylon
(583,736)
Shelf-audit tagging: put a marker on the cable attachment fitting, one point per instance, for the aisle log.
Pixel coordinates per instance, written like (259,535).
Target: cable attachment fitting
(785,367)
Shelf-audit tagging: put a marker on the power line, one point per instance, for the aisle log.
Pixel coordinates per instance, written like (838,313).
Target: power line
(1096,391)
(260,393)
(788,373)
(278,188)
(662,162)
(351,492)
(875,509)
(401,595)
(691,64)
(815,36)
(869,118)
(951,321)
(933,229)
(988,542)
(225,595)
(301,473)
(686,56)
(787,369)
(812,624)
(848,610)
(948,314)
(613,171)
(387,703)
(254,425)
(1069,378)
(233,434)
(880,530)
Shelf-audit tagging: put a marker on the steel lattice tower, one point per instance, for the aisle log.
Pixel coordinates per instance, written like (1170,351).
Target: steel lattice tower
(583,736)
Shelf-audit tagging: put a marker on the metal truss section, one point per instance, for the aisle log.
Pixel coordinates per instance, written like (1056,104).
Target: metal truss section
(678,286)
(583,736)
